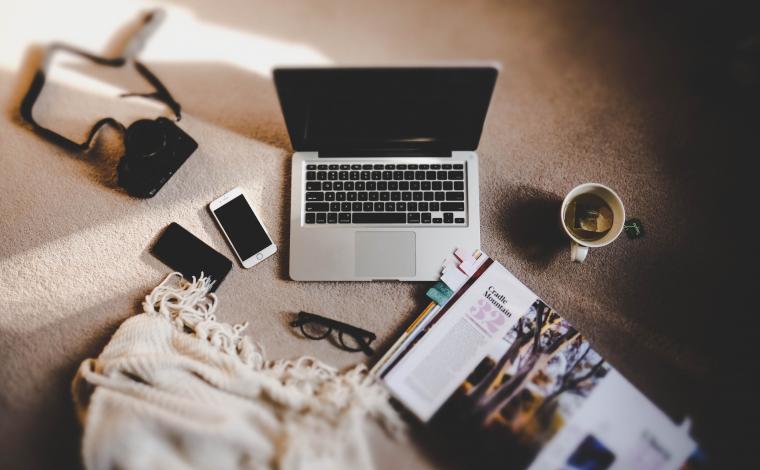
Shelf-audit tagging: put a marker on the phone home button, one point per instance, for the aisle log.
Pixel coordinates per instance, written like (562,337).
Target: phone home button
(259,256)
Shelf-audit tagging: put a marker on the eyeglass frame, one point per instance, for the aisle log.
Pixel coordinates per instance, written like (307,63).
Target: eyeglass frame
(363,337)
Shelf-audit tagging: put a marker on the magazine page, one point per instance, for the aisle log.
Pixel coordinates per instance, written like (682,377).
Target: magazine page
(542,397)
(478,316)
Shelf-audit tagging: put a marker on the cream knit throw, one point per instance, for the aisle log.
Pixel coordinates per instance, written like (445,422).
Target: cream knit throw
(176,389)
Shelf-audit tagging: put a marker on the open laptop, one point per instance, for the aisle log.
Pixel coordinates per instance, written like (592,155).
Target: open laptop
(384,176)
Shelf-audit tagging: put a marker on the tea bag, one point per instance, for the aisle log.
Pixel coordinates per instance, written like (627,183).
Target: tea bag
(590,216)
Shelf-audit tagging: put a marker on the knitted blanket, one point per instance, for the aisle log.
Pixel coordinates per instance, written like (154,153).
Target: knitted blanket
(175,389)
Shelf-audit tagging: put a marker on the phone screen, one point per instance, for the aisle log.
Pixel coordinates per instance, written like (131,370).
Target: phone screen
(244,230)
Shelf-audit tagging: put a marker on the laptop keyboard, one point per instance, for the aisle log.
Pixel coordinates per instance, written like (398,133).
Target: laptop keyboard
(379,193)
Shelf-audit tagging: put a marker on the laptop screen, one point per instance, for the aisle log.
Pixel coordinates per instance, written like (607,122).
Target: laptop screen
(385,108)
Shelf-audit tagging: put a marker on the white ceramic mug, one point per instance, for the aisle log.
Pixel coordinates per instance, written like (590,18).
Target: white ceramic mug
(578,246)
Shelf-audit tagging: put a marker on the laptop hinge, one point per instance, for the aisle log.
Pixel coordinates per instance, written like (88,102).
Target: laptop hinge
(384,152)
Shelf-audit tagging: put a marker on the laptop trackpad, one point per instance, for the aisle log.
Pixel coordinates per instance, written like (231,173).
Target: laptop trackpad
(385,255)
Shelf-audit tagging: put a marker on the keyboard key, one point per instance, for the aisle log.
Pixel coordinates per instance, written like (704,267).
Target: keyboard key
(321,218)
(376,176)
(345,167)
(408,175)
(321,175)
(452,206)
(378,167)
(360,185)
(412,167)
(338,185)
(332,218)
(417,196)
(311,175)
(403,186)
(459,185)
(412,218)
(366,166)
(385,196)
(351,196)
(340,196)
(401,167)
(411,206)
(393,186)
(448,218)
(379,207)
(348,185)
(429,196)
(446,167)
(438,220)
(367,207)
(382,186)
(435,207)
(459,220)
(414,185)
(317,207)
(329,196)
(436,186)
(356,206)
(455,196)
(440,196)
(315,197)
(334,206)
(456,175)
(334,166)
(343,175)
(390,166)
(374,196)
(344,218)
(419,175)
(426,218)
(311,167)
(406,196)
(332,175)
(313,186)
(378,218)
(395,196)
(398,175)
(365,175)
(442,175)
(356,166)
(425,186)
(321,167)
(363,196)
(422,207)
(345,207)
(387,175)
(327,186)
(310,219)
(435,167)
(459,166)
(448,186)
(400,207)
(371,186)
(430,175)
(390,207)
(354,175)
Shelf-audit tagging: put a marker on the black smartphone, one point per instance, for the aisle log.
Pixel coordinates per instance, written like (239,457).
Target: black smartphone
(186,253)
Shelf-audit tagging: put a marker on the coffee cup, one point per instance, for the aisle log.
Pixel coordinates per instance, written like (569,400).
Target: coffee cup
(593,216)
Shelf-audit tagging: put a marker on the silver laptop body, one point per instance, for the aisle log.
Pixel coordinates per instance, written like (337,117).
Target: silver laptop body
(374,194)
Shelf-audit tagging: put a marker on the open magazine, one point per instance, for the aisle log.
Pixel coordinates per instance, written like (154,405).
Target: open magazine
(488,355)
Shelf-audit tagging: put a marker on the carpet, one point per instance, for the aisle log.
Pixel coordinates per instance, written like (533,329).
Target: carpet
(633,96)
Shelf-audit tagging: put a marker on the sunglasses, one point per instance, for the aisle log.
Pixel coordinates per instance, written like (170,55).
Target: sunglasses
(350,338)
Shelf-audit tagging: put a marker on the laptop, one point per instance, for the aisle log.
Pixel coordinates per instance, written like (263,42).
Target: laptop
(384,182)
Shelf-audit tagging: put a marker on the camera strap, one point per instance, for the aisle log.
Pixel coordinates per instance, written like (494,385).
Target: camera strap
(160,93)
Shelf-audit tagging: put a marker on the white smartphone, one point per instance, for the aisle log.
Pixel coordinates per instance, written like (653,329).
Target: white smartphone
(245,233)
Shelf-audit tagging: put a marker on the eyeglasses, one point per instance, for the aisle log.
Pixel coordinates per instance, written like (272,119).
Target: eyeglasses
(350,338)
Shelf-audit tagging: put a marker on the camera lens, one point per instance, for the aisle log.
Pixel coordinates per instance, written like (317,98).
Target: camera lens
(145,138)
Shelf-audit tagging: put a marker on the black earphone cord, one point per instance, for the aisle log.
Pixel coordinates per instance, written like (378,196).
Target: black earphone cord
(161,94)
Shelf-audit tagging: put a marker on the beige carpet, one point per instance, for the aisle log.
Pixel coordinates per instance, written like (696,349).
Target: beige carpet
(636,98)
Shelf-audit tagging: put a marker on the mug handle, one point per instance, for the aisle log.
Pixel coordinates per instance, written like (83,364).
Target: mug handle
(578,252)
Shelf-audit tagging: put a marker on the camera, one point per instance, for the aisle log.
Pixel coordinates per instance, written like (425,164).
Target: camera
(154,151)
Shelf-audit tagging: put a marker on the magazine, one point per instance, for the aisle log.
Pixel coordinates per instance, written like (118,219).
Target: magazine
(490,355)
